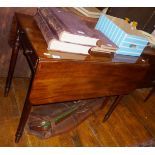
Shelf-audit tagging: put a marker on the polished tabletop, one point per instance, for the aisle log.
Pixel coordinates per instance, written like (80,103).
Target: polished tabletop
(39,44)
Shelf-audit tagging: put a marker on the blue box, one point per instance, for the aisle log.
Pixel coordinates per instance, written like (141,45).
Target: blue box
(124,58)
(129,40)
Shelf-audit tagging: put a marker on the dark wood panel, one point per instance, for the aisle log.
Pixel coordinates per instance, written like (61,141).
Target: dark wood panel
(150,25)
(72,80)
(6,15)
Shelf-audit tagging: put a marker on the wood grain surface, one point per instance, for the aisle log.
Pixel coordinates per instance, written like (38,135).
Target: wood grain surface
(6,14)
(131,124)
(72,80)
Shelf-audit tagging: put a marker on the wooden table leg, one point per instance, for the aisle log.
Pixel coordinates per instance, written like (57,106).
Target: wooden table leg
(14,55)
(106,100)
(150,93)
(113,106)
(25,113)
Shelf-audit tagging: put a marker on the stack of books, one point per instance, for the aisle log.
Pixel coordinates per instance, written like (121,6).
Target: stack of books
(65,31)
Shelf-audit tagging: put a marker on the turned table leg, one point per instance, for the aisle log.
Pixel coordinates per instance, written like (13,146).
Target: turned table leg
(113,106)
(106,100)
(150,93)
(14,55)
(25,114)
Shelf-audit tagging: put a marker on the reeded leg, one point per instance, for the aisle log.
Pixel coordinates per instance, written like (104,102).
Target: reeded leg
(150,93)
(14,55)
(111,109)
(25,113)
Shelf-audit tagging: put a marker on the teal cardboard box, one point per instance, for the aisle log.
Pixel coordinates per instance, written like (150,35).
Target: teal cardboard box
(129,40)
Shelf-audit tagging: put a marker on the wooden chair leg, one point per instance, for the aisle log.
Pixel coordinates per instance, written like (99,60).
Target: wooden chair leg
(113,106)
(25,113)
(14,55)
(150,93)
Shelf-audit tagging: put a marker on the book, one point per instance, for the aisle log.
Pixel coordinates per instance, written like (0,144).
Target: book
(69,27)
(102,50)
(89,11)
(52,41)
